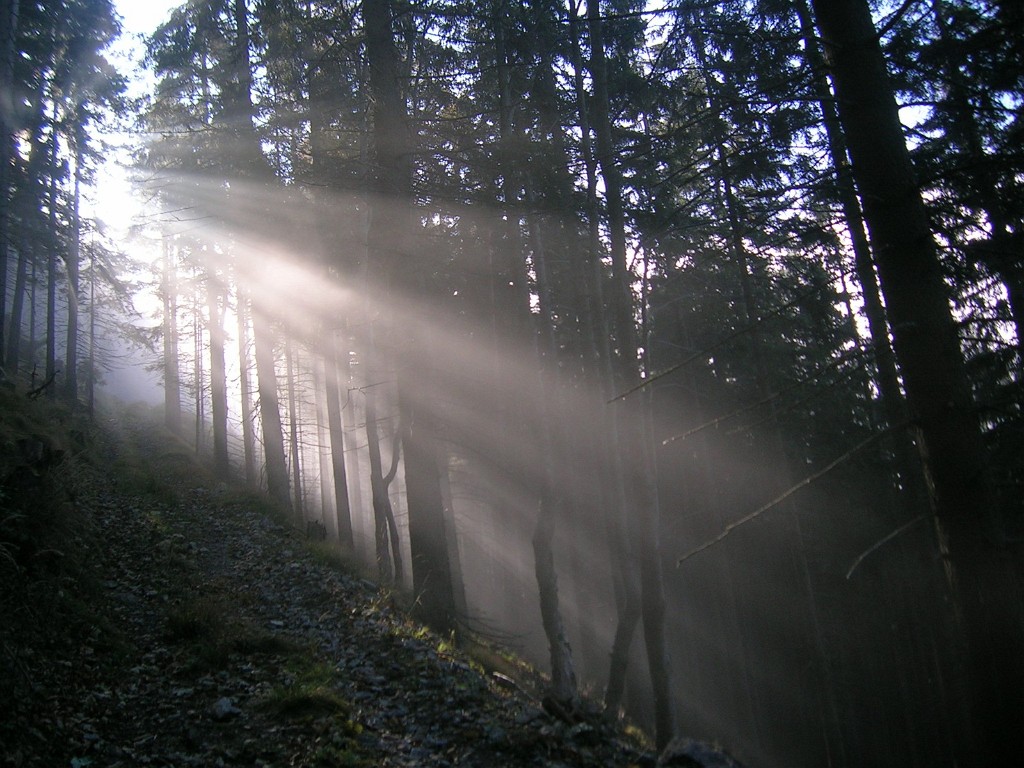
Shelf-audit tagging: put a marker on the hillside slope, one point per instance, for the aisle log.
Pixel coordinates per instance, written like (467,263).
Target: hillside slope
(173,621)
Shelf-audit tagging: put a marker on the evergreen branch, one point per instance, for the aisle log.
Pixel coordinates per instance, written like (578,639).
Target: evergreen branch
(842,378)
(785,495)
(768,399)
(895,18)
(725,339)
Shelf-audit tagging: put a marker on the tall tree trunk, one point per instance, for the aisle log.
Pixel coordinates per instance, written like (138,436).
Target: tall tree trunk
(9,11)
(29,214)
(253,166)
(379,489)
(548,193)
(172,377)
(73,263)
(199,391)
(348,443)
(564,687)
(552,502)
(90,382)
(335,263)
(803,615)
(512,292)
(53,254)
(17,305)
(389,246)
(336,435)
(428,539)
(980,565)
(270,410)
(218,378)
(612,495)
(907,467)
(641,495)
(245,385)
(906,485)
(33,308)
(298,503)
(323,453)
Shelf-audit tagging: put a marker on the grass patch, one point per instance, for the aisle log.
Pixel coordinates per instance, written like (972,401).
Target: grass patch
(201,628)
(201,620)
(159,480)
(43,420)
(308,693)
(490,658)
(147,459)
(341,756)
(206,628)
(135,476)
(331,555)
(302,701)
(238,497)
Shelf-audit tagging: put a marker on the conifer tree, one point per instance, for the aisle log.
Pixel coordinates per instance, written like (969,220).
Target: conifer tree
(982,578)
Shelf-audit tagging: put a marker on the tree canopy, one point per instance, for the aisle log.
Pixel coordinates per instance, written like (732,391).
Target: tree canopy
(702,319)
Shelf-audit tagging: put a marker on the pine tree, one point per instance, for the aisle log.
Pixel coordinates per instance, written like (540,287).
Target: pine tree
(981,575)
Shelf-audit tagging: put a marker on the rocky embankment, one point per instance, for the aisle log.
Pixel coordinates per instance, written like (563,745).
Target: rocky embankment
(200,631)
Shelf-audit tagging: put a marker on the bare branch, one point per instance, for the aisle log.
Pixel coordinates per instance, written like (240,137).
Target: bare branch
(883,541)
(786,494)
(32,394)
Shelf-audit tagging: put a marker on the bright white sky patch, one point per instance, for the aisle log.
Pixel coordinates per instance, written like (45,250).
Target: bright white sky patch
(144,15)
(111,199)
(114,201)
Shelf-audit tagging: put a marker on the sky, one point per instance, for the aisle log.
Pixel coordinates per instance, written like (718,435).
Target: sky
(113,199)
(142,16)
(115,202)
(138,18)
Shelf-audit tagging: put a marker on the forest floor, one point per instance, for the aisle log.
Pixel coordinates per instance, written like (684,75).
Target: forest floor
(194,628)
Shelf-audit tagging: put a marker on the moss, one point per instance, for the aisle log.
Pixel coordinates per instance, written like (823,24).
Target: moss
(156,521)
(638,736)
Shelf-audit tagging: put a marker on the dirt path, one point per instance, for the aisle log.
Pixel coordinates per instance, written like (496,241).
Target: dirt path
(220,638)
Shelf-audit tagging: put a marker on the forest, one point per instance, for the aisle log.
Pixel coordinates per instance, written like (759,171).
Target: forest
(675,344)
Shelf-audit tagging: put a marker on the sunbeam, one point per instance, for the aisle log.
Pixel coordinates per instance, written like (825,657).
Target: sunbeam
(609,330)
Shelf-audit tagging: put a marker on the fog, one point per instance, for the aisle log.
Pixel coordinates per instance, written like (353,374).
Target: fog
(778,652)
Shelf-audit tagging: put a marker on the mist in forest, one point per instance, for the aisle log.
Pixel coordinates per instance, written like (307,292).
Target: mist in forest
(607,331)
(792,635)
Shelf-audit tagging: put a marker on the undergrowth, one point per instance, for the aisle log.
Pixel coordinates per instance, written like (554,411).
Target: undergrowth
(49,584)
(308,691)
(211,633)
